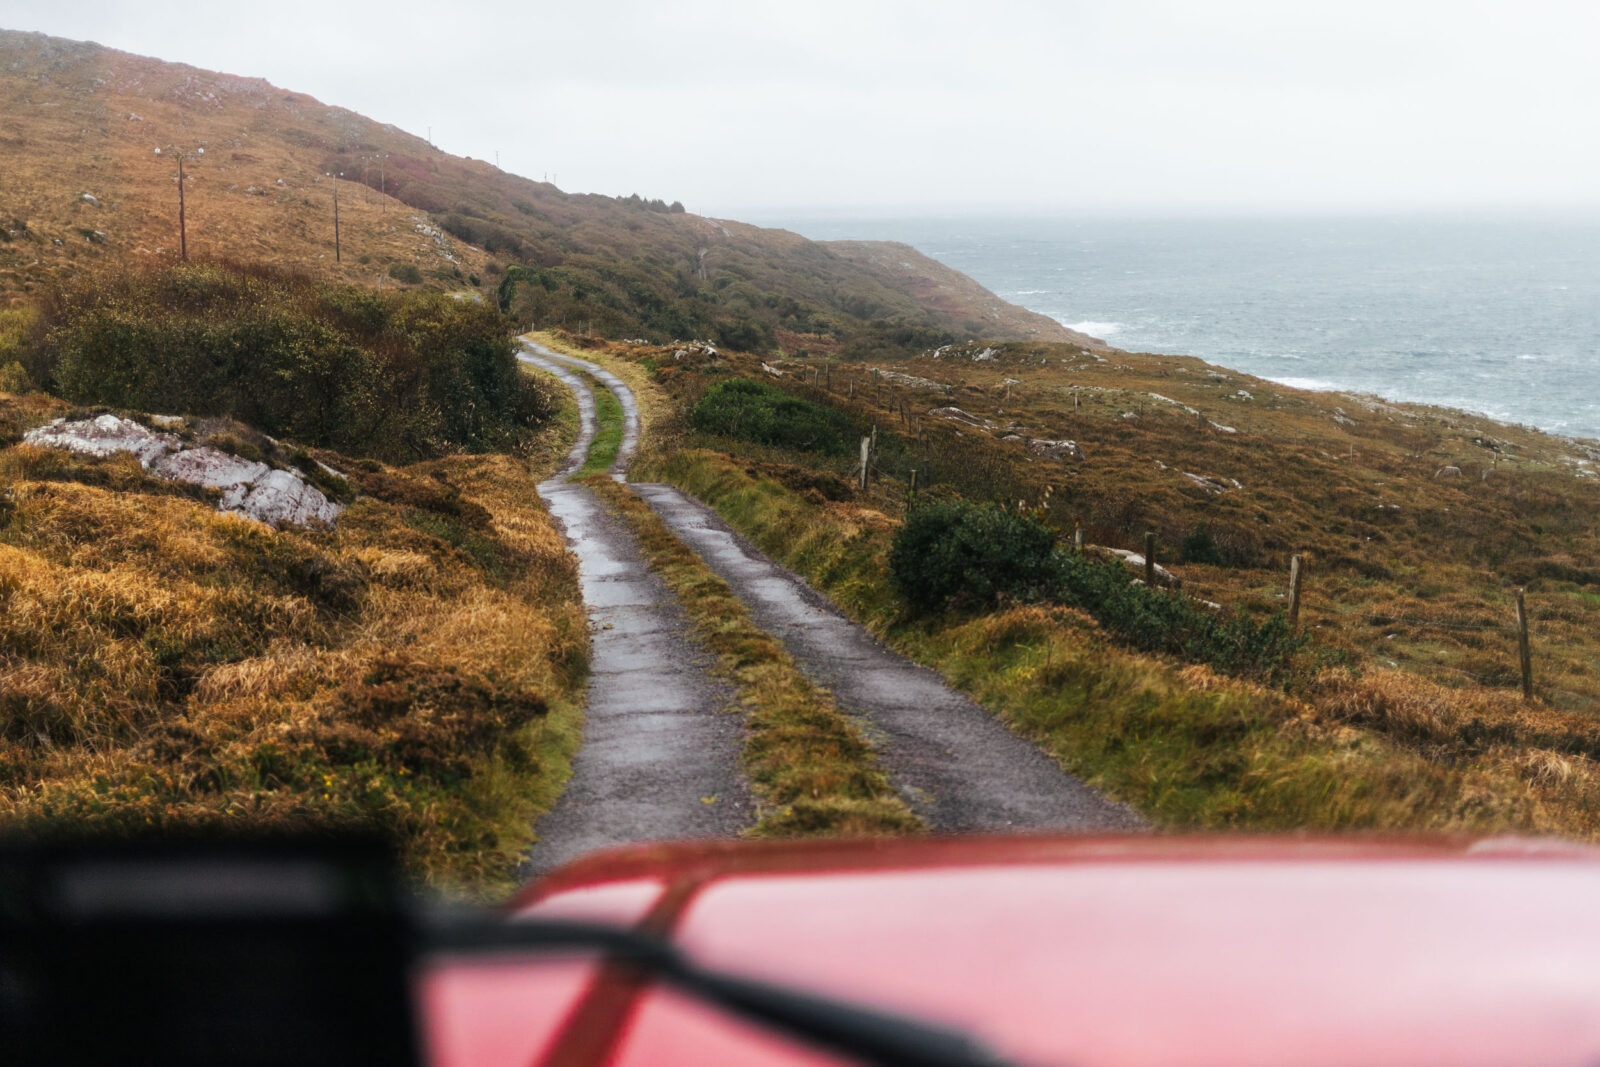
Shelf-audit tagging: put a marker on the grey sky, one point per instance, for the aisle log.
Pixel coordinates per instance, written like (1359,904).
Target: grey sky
(1122,105)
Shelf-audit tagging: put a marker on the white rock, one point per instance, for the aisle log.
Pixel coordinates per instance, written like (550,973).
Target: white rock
(251,489)
(208,466)
(103,435)
(279,498)
(957,415)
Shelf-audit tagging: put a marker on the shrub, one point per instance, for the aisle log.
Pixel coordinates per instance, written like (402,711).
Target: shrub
(405,272)
(1200,546)
(765,414)
(13,379)
(953,553)
(399,375)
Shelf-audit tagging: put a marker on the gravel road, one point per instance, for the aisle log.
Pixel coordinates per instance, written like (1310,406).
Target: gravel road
(660,752)
(957,766)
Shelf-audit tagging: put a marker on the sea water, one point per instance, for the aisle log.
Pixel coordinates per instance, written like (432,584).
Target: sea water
(1499,315)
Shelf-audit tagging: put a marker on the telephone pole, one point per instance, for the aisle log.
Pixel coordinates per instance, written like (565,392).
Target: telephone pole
(335,176)
(183,235)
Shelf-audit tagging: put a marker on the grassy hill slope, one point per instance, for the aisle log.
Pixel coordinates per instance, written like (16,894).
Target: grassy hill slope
(80,119)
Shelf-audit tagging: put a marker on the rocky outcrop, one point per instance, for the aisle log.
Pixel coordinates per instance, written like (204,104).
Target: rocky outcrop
(1054,449)
(957,415)
(250,488)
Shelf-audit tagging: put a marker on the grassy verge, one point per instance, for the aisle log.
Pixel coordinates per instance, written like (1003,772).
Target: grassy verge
(1184,745)
(814,772)
(413,669)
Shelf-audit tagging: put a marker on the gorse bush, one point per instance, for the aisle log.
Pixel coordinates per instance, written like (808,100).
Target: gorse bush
(952,553)
(955,554)
(397,375)
(764,414)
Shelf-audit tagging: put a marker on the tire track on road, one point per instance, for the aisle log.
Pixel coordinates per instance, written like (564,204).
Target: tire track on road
(660,756)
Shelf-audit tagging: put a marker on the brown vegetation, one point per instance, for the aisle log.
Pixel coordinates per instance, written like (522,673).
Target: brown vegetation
(80,119)
(162,664)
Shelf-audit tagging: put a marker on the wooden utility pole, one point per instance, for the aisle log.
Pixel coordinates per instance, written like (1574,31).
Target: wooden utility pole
(1522,647)
(1150,558)
(183,230)
(1294,592)
(335,177)
(183,234)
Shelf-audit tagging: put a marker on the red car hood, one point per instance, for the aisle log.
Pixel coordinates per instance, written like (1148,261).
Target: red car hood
(1143,950)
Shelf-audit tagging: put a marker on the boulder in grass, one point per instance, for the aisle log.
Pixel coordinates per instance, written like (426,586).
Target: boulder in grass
(249,488)
(1055,449)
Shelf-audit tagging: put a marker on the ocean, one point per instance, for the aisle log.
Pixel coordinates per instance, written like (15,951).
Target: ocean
(1493,315)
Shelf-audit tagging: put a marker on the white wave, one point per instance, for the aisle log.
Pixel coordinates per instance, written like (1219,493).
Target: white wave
(1528,356)
(1101,330)
(1029,292)
(1314,384)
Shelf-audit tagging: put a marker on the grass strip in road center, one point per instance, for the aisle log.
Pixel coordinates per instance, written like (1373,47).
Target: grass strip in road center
(813,771)
(608,432)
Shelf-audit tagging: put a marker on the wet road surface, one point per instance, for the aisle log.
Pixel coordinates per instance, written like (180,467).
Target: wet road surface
(958,766)
(660,754)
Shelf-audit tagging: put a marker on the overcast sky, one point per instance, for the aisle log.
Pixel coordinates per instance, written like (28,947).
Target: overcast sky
(870,106)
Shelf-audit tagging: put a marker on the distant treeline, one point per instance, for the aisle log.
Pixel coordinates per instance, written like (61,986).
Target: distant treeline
(398,375)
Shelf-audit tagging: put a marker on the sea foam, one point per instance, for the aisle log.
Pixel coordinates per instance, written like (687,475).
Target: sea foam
(1101,330)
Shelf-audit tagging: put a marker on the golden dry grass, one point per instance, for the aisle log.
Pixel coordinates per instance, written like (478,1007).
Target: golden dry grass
(412,669)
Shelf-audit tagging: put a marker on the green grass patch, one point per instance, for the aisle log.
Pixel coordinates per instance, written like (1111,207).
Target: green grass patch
(608,433)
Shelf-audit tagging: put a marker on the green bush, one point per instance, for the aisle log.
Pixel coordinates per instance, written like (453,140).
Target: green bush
(13,379)
(957,554)
(398,375)
(765,414)
(405,272)
(1200,546)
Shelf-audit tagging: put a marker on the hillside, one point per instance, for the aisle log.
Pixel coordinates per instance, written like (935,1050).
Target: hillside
(1397,706)
(81,186)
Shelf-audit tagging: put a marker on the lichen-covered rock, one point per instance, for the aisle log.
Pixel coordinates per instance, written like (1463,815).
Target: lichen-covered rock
(278,498)
(103,435)
(957,415)
(208,466)
(250,488)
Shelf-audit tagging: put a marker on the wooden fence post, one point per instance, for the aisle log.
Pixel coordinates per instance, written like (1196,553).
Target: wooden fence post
(911,492)
(1150,558)
(1294,592)
(866,459)
(1522,647)
(1077,538)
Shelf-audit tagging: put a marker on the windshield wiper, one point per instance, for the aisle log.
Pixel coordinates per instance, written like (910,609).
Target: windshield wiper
(861,1033)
